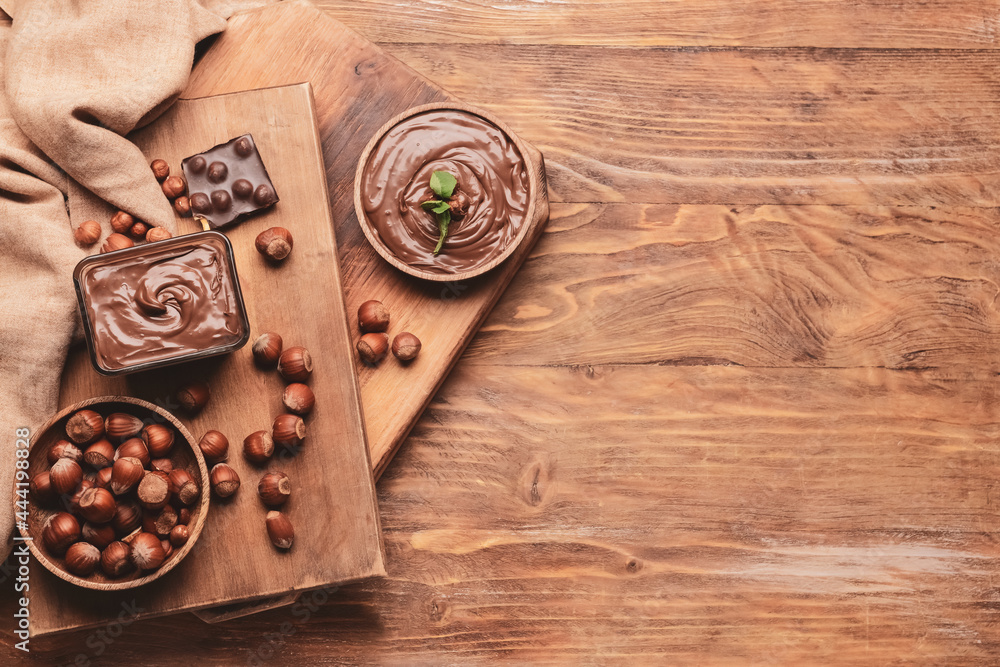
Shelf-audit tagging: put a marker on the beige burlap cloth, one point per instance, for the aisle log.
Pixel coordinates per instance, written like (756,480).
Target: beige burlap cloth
(77,76)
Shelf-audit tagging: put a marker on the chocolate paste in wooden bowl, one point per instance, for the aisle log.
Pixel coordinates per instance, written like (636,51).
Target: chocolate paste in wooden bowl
(490,171)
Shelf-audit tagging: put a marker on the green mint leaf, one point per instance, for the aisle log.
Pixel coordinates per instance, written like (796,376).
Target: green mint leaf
(443,184)
(430,204)
(442,207)
(444,219)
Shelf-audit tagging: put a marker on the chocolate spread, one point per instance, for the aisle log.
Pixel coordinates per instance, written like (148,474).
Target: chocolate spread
(174,300)
(490,171)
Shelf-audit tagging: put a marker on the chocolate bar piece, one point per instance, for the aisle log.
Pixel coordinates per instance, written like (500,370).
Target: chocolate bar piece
(228,182)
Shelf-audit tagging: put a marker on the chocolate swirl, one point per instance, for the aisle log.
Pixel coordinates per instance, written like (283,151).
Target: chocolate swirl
(162,305)
(490,171)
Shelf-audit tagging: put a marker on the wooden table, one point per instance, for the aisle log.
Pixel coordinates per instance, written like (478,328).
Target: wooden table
(741,405)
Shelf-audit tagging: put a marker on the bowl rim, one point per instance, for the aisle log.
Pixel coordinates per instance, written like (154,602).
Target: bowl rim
(176,558)
(534,183)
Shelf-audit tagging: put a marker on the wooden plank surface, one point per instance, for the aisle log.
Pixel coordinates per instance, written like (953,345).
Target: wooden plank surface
(234,559)
(572,503)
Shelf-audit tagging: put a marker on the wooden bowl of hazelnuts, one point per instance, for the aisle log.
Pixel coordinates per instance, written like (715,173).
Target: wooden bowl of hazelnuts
(117,493)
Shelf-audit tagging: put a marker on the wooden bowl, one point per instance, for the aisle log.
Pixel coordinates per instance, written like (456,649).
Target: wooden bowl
(536,185)
(186,454)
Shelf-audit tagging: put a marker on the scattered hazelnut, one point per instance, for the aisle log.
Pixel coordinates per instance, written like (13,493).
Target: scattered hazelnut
(65,476)
(97,505)
(100,535)
(159,440)
(373,316)
(85,426)
(193,396)
(63,449)
(60,531)
(139,230)
(116,241)
(280,530)
(179,536)
(183,487)
(405,346)
(128,517)
(225,480)
(295,364)
(288,431)
(99,454)
(154,490)
(103,478)
(88,233)
(125,475)
(135,448)
(372,347)
(162,465)
(266,349)
(274,489)
(214,446)
(160,169)
(173,187)
(120,426)
(274,243)
(41,488)
(147,552)
(116,559)
(182,205)
(82,559)
(258,447)
(298,398)
(121,222)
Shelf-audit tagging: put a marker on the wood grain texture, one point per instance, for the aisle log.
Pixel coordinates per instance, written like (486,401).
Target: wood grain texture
(234,559)
(690,515)
(849,23)
(741,126)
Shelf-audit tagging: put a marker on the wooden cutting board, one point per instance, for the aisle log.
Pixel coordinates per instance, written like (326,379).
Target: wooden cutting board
(333,506)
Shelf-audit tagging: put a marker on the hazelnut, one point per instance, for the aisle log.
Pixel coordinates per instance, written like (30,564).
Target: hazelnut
(147,552)
(73,504)
(217,172)
(372,347)
(99,454)
(242,188)
(126,473)
(85,426)
(168,549)
(98,535)
(373,316)
(179,535)
(162,465)
(298,398)
(65,476)
(266,349)
(280,530)
(120,426)
(154,490)
(82,559)
(221,200)
(116,241)
(197,164)
(274,243)
(121,222)
(193,396)
(243,147)
(225,480)
(183,516)
(135,448)
(88,233)
(295,364)
(200,203)
(214,446)
(182,205)
(459,204)
(42,491)
(405,346)
(288,431)
(60,531)
(264,196)
(274,489)
(97,505)
(103,478)
(174,187)
(157,234)
(138,230)
(183,487)
(160,169)
(159,440)
(128,517)
(116,559)
(165,521)
(258,447)
(63,449)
